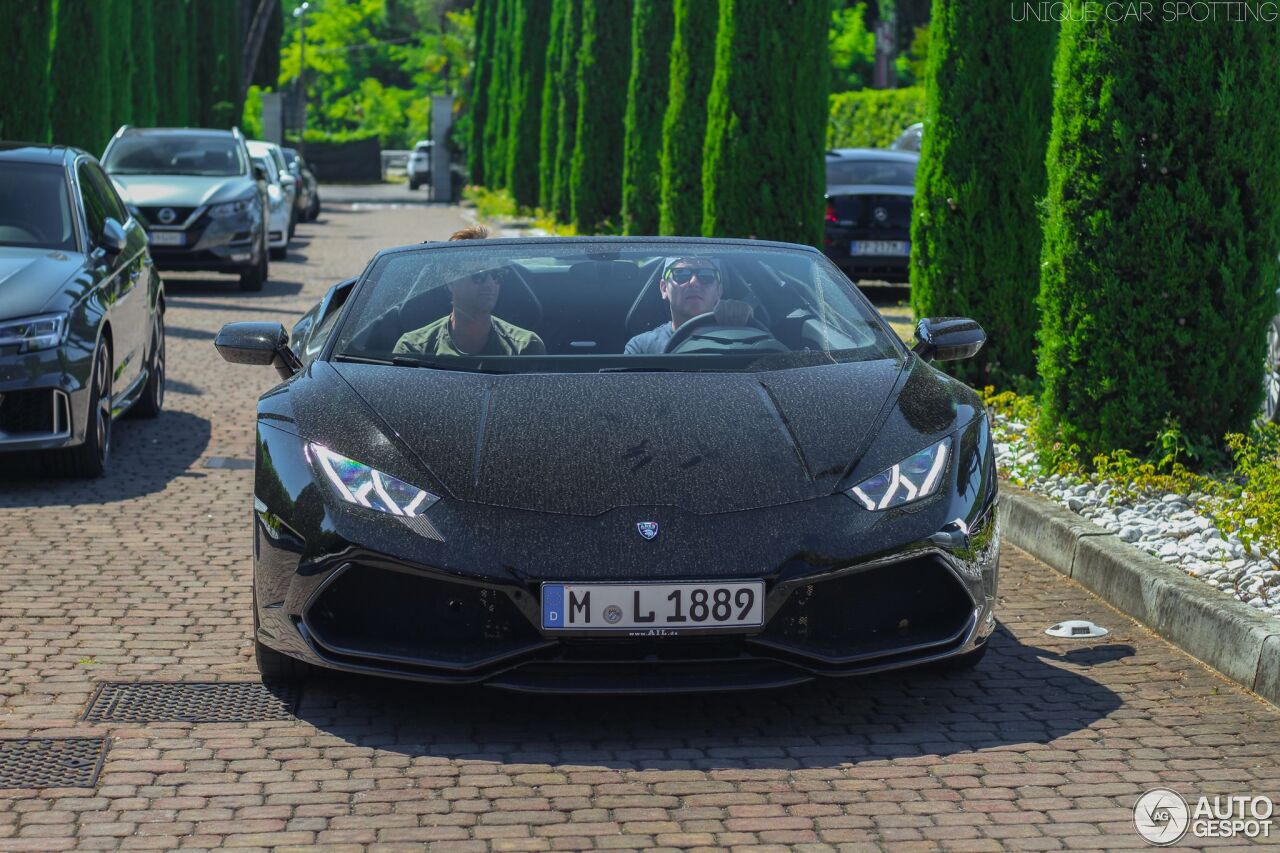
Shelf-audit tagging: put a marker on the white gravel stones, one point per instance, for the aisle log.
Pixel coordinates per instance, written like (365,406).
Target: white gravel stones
(1175,529)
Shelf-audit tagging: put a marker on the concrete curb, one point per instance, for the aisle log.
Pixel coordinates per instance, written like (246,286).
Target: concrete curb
(1228,635)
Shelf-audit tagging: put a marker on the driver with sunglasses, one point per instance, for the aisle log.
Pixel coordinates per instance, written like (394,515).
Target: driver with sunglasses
(691,286)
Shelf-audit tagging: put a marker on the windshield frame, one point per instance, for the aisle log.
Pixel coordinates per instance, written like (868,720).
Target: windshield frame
(608,245)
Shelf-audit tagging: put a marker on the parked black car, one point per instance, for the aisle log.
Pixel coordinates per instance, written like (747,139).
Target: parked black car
(754,506)
(198,196)
(308,187)
(81,309)
(868,217)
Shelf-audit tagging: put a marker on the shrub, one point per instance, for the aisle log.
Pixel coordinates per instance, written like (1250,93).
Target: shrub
(1163,216)
(479,96)
(975,231)
(684,123)
(530,32)
(762,165)
(548,119)
(872,118)
(81,76)
(646,101)
(604,61)
(498,114)
(144,57)
(567,112)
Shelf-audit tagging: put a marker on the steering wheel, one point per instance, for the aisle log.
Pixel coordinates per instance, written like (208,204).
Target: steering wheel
(702,322)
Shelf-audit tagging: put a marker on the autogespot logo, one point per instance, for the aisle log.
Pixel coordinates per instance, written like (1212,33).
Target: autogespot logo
(1161,816)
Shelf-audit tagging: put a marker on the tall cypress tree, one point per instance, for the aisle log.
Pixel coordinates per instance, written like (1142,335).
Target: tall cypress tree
(480,82)
(651,31)
(567,112)
(547,120)
(1163,216)
(530,31)
(81,76)
(24,68)
(144,54)
(171,61)
(603,66)
(975,230)
(497,119)
(762,167)
(684,125)
(122,63)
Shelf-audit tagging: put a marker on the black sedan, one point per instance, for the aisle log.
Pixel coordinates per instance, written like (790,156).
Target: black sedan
(868,218)
(503,461)
(81,309)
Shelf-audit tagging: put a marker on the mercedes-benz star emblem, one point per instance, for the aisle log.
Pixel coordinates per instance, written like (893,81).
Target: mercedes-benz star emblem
(647,529)
(612,614)
(880,214)
(166,216)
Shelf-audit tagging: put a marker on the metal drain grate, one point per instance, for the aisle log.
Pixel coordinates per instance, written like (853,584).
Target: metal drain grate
(190,702)
(72,762)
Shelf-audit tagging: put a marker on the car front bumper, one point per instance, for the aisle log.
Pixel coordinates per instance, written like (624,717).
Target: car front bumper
(212,245)
(847,592)
(44,398)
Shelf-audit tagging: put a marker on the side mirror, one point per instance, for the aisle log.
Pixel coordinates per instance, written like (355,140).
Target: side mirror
(113,239)
(288,180)
(259,173)
(258,343)
(948,338)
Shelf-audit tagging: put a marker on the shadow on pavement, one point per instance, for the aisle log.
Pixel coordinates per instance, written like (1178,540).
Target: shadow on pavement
(179,287)
(187,335)
(145,456)
(1013,697)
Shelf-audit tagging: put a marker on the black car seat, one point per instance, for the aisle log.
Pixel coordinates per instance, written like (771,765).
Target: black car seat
(585,302)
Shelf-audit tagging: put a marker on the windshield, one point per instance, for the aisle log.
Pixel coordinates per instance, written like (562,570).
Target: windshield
(34,208)
(587,306)
(176,154)
(888,172)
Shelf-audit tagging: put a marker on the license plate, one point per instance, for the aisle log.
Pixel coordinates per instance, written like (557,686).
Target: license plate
(167,238)
(669,606)
(895,248)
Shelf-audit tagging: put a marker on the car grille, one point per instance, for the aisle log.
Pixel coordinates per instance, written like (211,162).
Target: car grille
(152,215)
(34,413)
(368,612)
(885,610)
(859,211)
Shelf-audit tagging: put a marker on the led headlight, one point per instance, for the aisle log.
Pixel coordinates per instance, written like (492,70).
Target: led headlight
(231,208)
(33,333)
(915,477)
(359,484)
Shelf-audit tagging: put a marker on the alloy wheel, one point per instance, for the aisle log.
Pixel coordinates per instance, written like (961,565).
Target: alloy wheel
(102,410)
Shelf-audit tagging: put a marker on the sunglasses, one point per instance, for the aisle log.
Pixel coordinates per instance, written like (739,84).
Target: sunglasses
(684,275)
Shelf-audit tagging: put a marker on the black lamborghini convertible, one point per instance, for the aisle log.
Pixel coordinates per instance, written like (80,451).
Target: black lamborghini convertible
(792,495)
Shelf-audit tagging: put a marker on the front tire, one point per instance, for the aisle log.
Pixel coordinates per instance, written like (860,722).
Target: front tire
(89,459)
(255,277)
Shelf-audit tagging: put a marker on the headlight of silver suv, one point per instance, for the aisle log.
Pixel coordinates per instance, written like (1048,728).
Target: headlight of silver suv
(228,209)
(912,479)
(34,333)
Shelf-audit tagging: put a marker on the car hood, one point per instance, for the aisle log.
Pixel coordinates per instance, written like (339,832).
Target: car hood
(583,444)
(182,190)
(31,278)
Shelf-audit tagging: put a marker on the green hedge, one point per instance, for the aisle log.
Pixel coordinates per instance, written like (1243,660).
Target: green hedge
(762,164)
(24,68)
(531,32)
(646,102)
(548,120)
(975,230)
(684,125)
(604,64)
(1163,217)
(566,111)
(479,95)
(872,118)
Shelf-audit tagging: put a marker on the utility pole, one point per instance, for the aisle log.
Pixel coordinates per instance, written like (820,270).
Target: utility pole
(301,14)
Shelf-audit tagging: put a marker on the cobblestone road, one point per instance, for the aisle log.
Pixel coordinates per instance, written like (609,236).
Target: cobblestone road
(144,576)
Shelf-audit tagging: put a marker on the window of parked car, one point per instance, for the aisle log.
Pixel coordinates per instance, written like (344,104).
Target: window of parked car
(586,300)
(35,207)
(176,154)
(97,203)
(884,172)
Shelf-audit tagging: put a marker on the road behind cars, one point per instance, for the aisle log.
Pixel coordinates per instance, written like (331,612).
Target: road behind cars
(144,576)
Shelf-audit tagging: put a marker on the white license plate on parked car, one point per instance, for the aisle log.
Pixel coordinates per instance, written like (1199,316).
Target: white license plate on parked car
(670,606)
(167,238)
(893,248)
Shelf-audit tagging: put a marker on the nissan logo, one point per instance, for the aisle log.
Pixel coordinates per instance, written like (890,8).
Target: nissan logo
(166,216)
(880,214)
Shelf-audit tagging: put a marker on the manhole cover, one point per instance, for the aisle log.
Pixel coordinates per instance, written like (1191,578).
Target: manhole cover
(1077,628)
(190,702)
(230,462)
(72,762)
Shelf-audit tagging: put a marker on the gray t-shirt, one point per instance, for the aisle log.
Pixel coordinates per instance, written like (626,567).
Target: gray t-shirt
(651,342)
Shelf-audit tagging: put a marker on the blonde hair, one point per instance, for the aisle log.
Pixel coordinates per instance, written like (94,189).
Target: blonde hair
(471,232)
